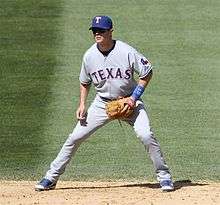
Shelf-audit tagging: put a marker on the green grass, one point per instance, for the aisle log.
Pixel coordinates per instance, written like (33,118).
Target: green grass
(41,46)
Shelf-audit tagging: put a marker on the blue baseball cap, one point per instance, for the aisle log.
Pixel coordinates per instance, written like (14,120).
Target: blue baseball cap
(102,22)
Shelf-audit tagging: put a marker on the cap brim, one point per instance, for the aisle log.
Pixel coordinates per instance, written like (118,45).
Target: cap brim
(101,27)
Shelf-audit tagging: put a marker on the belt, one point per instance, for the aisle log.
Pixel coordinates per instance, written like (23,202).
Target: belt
(106,99)
(110,99)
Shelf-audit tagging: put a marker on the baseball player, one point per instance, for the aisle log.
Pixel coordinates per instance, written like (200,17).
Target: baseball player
(110,66)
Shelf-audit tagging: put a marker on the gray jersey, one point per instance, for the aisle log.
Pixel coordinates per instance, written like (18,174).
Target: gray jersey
(113,75)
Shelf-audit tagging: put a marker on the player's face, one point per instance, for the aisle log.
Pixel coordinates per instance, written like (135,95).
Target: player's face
(102,36)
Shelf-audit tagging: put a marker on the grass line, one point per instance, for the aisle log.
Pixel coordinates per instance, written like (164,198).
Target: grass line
(41,47)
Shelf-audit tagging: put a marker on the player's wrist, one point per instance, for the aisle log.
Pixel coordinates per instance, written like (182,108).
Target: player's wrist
(138,91)
(130,102)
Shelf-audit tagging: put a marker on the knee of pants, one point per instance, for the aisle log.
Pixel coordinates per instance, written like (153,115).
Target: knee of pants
(72,139)
(145,136)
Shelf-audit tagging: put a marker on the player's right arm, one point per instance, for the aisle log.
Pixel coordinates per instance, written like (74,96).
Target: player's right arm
(81,111)
(85,82)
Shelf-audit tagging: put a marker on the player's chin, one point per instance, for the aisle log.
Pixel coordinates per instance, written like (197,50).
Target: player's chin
(98,39)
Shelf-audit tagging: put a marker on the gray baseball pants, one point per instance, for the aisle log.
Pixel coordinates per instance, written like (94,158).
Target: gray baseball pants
(96,118)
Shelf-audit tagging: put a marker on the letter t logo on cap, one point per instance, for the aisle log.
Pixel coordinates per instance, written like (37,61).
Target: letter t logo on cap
(98,18)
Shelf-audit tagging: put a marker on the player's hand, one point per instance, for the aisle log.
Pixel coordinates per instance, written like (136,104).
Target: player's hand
(130,104)
(81,112)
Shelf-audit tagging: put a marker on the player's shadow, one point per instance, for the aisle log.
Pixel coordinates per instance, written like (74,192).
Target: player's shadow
(177,184)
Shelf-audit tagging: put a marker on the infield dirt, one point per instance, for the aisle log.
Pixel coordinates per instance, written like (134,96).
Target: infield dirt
(109,193)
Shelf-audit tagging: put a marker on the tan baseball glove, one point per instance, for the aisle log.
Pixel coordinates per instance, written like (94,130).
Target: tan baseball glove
(119,108)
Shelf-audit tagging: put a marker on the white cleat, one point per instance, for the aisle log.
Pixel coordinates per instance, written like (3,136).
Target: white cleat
(45,185)
(166,185)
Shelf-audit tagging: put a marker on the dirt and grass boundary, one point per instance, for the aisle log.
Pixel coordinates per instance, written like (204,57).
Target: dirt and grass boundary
(98,193)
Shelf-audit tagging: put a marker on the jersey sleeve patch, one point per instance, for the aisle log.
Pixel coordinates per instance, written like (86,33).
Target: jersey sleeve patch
(144,61)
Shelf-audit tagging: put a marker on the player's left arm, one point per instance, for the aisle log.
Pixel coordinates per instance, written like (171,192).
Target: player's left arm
(145,80)
(142,84)
(138,91)
(143,68)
